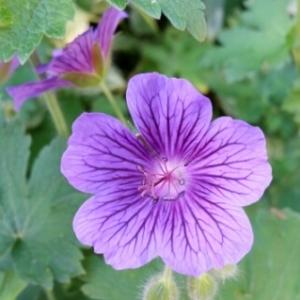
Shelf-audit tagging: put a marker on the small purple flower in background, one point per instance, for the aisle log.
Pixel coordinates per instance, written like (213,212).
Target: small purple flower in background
(82,63)
(7,68)
(174,191)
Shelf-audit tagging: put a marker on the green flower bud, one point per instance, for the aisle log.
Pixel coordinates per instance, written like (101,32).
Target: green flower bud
(228,271)
(161,287)
(202,288)
(8,109)
(82,80)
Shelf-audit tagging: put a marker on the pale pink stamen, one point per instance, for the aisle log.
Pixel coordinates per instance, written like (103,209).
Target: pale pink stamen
(165,180)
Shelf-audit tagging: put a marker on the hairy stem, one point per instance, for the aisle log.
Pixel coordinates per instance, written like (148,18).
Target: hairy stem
(167,274)
(112,102)
(52,103)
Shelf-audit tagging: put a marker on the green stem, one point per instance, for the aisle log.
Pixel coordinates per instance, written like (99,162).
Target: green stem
(50,295)
(51,102)
(112,102)
(56,114)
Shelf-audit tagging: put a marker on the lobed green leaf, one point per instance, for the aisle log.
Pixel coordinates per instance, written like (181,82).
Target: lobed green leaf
(103,282)
(24,22)
(36,214)
(259,41)
(183,14)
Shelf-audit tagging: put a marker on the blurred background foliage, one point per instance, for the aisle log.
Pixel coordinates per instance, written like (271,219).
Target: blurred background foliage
(248,67)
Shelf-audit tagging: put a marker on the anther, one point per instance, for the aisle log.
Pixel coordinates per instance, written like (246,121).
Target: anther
(165,182)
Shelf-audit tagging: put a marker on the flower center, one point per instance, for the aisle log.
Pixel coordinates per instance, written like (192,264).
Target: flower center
(165,181)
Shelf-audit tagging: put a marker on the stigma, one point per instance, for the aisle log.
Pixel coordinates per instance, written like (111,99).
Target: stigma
(165,180)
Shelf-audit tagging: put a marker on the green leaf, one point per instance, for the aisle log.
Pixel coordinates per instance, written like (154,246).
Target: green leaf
(36,214)
(244,99)
(69,291)
(186,14)
(28,20)
(183,14)
(10,285)
(5,15)
(285,161)
(257,98)
(105,283)
(121,4)
(176,54)
(152,8)
(101,104)
(270,270)
(32,292)
(259,41)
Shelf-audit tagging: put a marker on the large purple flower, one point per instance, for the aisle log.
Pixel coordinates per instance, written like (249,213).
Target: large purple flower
(174,191)
(83,63)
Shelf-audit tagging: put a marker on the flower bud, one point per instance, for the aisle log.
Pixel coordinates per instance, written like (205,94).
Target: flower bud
(8,109)
(202,288)
(228,271)
(161,287)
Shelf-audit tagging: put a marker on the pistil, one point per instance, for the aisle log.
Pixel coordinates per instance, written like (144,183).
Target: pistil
(164,181)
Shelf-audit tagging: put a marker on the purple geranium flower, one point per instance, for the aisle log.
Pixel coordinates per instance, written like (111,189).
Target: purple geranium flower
(83,63)
(174,191)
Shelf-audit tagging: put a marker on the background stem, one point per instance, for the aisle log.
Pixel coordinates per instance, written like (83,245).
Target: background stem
(51,102)
(50,295)
(56,114)
(296,50)
(112,102)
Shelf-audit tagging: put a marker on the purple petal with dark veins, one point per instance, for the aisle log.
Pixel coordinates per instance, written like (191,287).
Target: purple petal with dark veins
(106,28)
(120,224)
(28,90)
(231,164)
(102,153)
(170,113)
(76,57)
(199,235)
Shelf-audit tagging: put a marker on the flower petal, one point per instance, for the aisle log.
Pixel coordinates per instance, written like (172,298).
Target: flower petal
(170,113)
(76,57)
(28,90)
(106,28)
(102,153)
(199,235)
(14,63)
(231,163)
(120,224)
